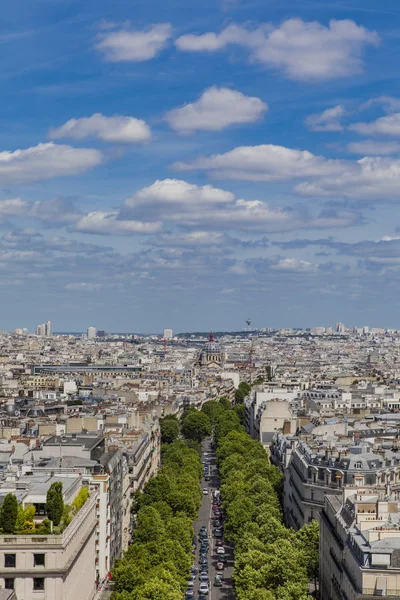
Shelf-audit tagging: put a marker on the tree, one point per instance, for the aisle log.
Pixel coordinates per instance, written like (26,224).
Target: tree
(212,409)
(240,410)
(224,402)
(25,517)
(149,526)
(308,537)
(169,430)
(9,514)
(196,426)
(242,391)
(55,502)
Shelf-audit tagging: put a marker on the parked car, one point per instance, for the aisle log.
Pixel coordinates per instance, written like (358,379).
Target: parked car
(219,542)
(189,593)
(220,550)
(203,577)
(218,580)
(220,565)
(204,589)
(205,491)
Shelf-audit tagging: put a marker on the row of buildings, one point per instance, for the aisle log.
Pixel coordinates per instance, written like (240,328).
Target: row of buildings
(338,449)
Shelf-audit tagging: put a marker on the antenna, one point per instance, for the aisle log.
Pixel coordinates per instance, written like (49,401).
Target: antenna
(248,321)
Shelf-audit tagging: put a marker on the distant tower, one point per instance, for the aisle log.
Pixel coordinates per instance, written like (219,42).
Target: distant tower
(91,333)
(248,321)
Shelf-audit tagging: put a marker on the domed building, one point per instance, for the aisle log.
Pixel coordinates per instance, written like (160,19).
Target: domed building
(212,354)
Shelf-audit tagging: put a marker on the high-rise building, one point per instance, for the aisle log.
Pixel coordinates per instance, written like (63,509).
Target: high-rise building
(168,334)
(41,329)
(91,333)
(49,328)
(101,333)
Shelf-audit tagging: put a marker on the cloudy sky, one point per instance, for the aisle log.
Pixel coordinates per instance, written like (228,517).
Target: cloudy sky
(192,164)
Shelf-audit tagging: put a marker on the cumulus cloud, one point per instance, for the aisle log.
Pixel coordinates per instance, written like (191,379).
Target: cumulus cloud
(83,286)
(193,239)
(108,223)
(293,265)
(303,50)
(55,212)
(388,103)
(374,148)
(388,125)
(190,205)
(134,45)
(369,178)
(328,120)
(216,109)
(13,207)
(117,129)
(175,193)
(264,163)
(45,161)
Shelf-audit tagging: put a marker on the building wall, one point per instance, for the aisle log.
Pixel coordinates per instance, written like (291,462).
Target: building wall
(69,570)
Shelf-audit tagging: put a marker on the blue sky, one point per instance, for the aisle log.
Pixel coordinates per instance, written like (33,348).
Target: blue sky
(189,165)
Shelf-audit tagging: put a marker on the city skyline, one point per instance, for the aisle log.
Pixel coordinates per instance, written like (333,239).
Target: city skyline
(191,165)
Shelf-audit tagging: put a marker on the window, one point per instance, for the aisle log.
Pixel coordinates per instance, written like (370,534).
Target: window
(10,560)
(38,584)
(9,583)
(38,560)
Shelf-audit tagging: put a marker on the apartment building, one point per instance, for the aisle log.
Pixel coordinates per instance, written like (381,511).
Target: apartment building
(316,468)
(53,567)
(360,546)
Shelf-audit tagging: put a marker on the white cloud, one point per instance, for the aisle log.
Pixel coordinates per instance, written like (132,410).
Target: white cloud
(118,129)
(216,109)
(191,240)
(179,194)
(389,103)
(373,148)
(369,178)
(13,207)
(389,125)
(328,120)
(108,223)
(212,208)
(264,163)
(83,286)
(303,50)
(134,45)
(293,265)
(45,161)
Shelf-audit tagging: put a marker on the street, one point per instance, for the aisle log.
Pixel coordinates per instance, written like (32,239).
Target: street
(205,519)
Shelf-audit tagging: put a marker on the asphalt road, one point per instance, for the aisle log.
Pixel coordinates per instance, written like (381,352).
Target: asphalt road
(205,518)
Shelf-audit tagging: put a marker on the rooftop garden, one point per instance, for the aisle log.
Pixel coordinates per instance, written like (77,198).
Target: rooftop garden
(17,520)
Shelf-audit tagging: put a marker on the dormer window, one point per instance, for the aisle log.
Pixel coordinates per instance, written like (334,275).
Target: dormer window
(358,465)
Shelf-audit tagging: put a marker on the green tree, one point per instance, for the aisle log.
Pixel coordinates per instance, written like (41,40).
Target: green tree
(169,430)
(242,391)
(196,426)
(224,402)
(212,409)
(55,502)
(240,410)
(308,537)
(9,514)
(149,525)
(25,517)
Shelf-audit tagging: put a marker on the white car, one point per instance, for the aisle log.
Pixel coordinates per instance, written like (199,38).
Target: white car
(220,550)
(205,491)
(204,589)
